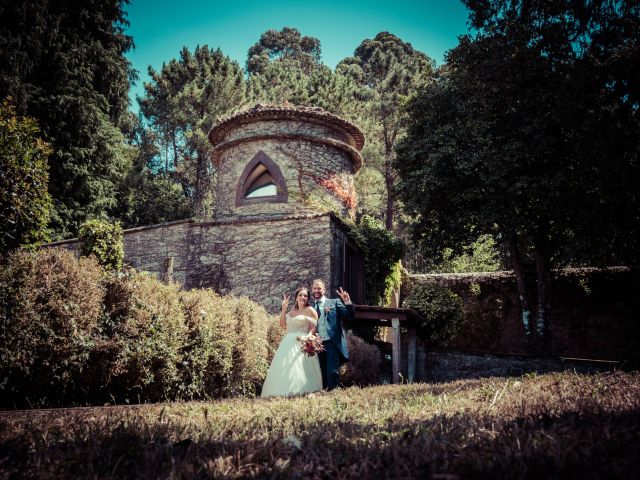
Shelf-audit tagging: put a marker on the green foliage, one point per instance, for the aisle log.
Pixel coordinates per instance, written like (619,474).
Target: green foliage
(181,103)
(64,63)
(24,200)
(50,307)
(105,241)
(441,309)
(286,46)
(76,334)
(531,133)
(146,329)
(382,251)
(250,347)
(155,199)
(517,135)
(480,256)
(392,281)
(391,71)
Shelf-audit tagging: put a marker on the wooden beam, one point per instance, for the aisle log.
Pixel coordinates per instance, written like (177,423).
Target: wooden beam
(395,352)
(411,355)
(379,315)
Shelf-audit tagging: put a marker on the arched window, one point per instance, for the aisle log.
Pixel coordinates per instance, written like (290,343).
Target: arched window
(261,182)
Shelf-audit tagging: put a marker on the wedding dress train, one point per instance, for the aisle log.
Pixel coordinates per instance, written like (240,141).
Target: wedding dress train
(291,371)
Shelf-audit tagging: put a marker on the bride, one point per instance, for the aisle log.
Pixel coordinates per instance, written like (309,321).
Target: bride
(292,372)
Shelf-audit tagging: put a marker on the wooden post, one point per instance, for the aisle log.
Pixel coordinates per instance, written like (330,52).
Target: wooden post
(395,352)
(395,298)
(411,355)
(167,273)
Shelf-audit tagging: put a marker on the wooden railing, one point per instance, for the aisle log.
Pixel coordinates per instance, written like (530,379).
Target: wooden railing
(394,317)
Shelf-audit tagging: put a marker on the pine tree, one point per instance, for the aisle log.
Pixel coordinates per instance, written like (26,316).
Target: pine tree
(64,64)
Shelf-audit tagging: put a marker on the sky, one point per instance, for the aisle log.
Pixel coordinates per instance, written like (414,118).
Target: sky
(160,28)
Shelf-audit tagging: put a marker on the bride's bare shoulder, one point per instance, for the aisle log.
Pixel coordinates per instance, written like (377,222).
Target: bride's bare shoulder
(310,312)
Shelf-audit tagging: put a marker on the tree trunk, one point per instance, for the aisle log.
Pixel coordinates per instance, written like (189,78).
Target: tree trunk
(389,177)
(388,180)
(525,305)
(202,188)
(542,318)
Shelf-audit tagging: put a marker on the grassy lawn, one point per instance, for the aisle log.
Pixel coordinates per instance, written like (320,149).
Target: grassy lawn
(548,426)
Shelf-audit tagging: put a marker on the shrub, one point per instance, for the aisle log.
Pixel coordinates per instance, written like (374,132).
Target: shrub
(105,241)
(441,309)
(274,336)
(363,367)
(250,346)
(73,333)
(208,351)
(146,325)
(24,197)
(50,303)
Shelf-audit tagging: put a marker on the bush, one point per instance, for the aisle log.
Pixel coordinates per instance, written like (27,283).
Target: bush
(75,334)
(250,346)
(363,367)
(274,336)
(146,325)
(441,309)
(25,202)
(208,351)
(50,303)
(105,241)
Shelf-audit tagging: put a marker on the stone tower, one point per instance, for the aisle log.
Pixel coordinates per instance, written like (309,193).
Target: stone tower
(284,160)
(284,179)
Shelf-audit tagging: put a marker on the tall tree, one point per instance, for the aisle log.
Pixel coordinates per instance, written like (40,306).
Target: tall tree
(286,46)
(181,103)
(64,64)
(392,70)
(149,195)
(530,133)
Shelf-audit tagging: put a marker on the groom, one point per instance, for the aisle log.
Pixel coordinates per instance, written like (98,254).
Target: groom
(331,313)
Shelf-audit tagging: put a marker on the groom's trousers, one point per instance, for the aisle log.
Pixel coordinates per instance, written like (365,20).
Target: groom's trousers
(330,365)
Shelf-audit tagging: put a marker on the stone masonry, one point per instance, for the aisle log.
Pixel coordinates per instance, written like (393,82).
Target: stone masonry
(269,245)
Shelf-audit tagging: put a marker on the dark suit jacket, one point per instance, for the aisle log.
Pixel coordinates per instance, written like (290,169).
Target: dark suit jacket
(336,314)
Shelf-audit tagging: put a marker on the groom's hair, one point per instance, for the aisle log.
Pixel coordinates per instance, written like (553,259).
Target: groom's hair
(320,281)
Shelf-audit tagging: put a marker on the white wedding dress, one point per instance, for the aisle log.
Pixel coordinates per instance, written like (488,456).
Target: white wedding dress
(291,371)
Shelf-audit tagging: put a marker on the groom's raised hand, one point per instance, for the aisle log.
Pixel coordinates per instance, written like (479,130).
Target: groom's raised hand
(346,299)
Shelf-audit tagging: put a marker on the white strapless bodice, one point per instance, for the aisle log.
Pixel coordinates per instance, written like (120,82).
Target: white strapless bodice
(300,324)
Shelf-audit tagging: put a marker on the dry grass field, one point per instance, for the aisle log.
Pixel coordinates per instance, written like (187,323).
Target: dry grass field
(547,426)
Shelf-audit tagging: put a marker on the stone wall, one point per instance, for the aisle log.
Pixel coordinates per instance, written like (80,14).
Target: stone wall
(148,248)
(304,158)
(260,259)
(439,366)
(595,313)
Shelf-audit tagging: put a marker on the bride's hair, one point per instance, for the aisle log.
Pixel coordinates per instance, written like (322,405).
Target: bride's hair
(295,296)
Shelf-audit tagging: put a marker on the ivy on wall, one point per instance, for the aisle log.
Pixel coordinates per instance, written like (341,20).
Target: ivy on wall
(441,309)
(105,241)
(382,252)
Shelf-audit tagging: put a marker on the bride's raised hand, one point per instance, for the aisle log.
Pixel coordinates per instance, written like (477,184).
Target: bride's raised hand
(285,301)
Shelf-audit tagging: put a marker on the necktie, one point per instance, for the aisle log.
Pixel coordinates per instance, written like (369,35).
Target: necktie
(317,307)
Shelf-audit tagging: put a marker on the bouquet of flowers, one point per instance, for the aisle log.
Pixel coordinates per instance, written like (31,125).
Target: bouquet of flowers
(311,344)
